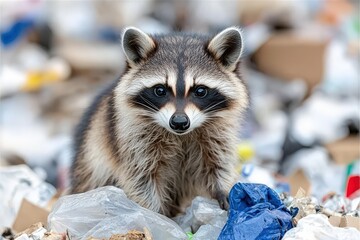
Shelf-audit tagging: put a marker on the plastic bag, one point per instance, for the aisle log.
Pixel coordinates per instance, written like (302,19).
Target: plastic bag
(105,211)
(204,217)
(256,212)
(318,227)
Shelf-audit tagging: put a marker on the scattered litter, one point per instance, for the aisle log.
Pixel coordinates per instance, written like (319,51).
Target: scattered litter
(301,129)
(332,206)
(255,174)
(16,184)
(7,233)
(318,227)
(131,235)
(336,202)
(36,232)
(305,205)
(256,211)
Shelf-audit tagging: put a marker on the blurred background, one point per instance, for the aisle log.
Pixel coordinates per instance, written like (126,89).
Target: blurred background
(300,62)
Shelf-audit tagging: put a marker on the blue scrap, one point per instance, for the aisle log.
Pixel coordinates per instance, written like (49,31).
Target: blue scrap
(256,212)
(16,31)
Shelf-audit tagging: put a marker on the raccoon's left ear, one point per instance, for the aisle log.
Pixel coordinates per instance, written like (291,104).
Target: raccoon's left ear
(136,44)
(227,47)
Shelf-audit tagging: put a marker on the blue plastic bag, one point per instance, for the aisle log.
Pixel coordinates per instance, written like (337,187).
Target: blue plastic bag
(256,212)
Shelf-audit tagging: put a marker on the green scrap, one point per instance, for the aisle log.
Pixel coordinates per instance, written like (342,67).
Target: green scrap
(190,235)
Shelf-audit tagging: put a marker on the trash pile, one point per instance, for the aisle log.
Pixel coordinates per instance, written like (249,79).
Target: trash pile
(299,155)
(256,211)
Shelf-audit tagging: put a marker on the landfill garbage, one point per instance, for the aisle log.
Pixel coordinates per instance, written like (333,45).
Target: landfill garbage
(256,211)
(341,211)
(318,227)
(353,186)
(322,118)
(131,235)
(204,218)
(37,232)
(336,202)
(255,174)
(18,183)
(14,33)
(318,169)
(341,77)
(305,205)
(6,233)
(106,211)
(45,85)
(31,69)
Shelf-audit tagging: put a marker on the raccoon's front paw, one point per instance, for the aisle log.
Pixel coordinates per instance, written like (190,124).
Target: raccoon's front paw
(223,200)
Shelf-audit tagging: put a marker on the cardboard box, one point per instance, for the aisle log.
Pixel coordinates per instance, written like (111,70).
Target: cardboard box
(298,180)
(290,56)
(345,221)
(28,215)
(346,150)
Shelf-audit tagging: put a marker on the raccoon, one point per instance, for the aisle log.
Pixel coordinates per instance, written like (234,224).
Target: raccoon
(166,130)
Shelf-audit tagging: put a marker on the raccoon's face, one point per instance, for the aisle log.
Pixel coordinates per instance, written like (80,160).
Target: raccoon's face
(183,81)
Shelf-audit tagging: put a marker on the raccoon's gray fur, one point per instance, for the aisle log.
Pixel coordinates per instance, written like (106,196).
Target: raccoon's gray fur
(165,131)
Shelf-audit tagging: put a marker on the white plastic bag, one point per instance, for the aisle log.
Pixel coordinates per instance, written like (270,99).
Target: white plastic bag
(105,211)
(204,218)
(318,227)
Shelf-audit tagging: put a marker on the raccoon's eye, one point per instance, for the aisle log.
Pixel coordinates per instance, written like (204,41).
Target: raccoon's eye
(160,91)
(201,92)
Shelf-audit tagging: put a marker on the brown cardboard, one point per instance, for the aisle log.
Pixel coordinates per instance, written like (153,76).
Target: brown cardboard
(297,181)
(346,150)
(290,56)
(30,229)
(345,221)
(335,220)
(350,221)
(28,215)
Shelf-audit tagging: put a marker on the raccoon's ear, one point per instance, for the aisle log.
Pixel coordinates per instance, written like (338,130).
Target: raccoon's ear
(227,47)
(136,44)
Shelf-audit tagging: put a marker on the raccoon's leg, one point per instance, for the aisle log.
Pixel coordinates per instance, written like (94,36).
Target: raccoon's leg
(222,196)
(154,191)
(220,176)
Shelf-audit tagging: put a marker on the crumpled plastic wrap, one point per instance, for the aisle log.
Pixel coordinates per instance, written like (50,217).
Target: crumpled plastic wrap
(105,211)
(204,218)
(318,227)
(256,212)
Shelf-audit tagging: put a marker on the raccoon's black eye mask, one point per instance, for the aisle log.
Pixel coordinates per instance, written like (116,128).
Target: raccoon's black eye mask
(152,98)
(204,98)
(208,99)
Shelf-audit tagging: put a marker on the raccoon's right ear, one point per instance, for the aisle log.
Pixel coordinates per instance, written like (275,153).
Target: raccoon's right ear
(226,47)
(136,44)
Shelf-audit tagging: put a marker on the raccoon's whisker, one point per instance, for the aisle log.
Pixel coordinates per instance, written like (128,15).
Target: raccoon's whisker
(209,108)
(147,107)
(150,103)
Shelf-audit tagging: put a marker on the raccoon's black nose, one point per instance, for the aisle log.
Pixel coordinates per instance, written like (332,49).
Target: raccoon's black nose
(179,122)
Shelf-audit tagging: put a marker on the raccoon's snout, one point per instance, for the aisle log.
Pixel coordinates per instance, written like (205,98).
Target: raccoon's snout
(179,122)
